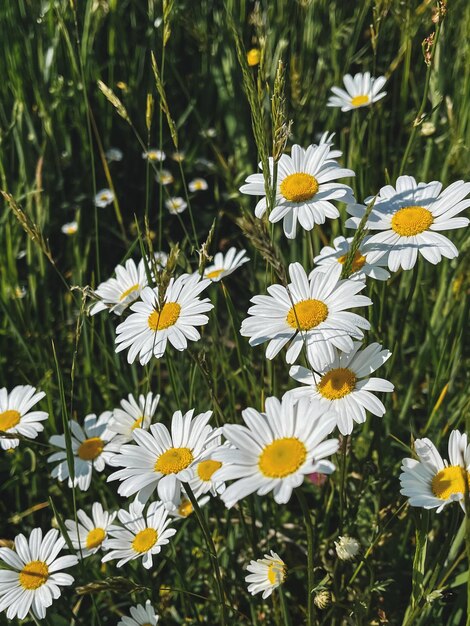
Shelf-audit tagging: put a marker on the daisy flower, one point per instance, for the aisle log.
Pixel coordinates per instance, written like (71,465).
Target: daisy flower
(132,415)
(178,156)
(16,416)
(35,575)
(276,449)
(327,138)
(361,267)
(176,205)
(345,385)
(225,265)
(347,548)
(113,154)
(140,616)
(161,259)
(361,91)
(103,198)
(160,458)
(91,446)
(266,574)
(179,505)
(310,312)
(304,188)
(203,479)
(253,57)
(147,331)
(409,218)
(153,154)
(432,482)
(117,293)
(89,533)
(198,184)
(70,228)
(140,536)
(164,177)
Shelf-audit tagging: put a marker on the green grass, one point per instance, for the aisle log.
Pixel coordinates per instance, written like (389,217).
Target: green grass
(55,123)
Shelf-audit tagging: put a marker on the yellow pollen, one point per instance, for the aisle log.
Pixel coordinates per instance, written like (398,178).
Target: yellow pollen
(307,314)
(282,457)
(337,383)
(214,273)
(9,419)
(253,57)
(104,196)
(299,187)
(276,572)
(411,220)
(205,469)
(174,460)
(144,540)
(95,538)
(450,480)
(90,448)
(168,316)
(185,508)
(138,423)
(358,101)
(33,575)
(129,291)
(358,261)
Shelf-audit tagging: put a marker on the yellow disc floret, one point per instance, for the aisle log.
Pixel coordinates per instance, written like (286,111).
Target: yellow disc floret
(168,316)
(411,220)
(358,261)
(214,274)
(282,457)
(90,448)
(307,314)
(95,538)
(337,383)
(129,291)
(205,469)
(449,481)
(299,187)
(33,575)
(137,423)
(9,419)
(359,101)
(145,539)
(276,572)
(174,460)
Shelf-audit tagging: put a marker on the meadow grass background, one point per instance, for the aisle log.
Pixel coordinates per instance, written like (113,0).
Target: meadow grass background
(55,124)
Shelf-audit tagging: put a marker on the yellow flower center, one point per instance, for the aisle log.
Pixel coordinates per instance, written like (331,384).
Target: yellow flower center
(9,419)
(411,220)
(129,291)
(174,460)
(450,480)
(358,261)
(33,575)
(90,448)
(168,316)
(299,187)
(358,101)
(307,314)
(152,155)
(95,538)
(104,196)
(282,457)
(205,469)
(145,539)
(185,508)
(337,383)
(138,423)
(214,273)
(253,56)
(276,572)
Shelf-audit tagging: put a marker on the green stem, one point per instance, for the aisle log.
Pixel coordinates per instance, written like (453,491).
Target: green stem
(344,446)
(284,610)
(309,530)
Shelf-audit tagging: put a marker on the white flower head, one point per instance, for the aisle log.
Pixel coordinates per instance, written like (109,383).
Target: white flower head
(204,479)
(70,228)
(153,324)
(275,450)
(164,177)
(304,188)
(347,548)
(266,574)
(16,415)
(433,483)
(224,265)
(132,414)
(179,506)
(88,533)
(409,218)
(361,267)
(92,449)
(118,293)
(176,205)
(310,312)
(140,616)
(113,154)
(140,535)
(35,574)
(361,91)
(345,385)
(197,184)
(103,198)
(154,154)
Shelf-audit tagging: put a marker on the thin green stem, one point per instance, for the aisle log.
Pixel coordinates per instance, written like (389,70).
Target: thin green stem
(309,529)
(284,609)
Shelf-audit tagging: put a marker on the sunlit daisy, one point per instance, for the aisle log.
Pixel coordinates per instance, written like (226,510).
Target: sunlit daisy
(153,323)
(347,548)
(225,265)
(89,533)
(160,458)
(164,177)
(91,446)
(198,184)
(113,154)
(35,575)
(178,156)
(132,415)
(103,198)
(204,470)
(140,536)
(179,505)
(176,205)
(140,616)
(276,449)
(70,228)
(118,293)
(266,574)
(304,188)
(432,482)
(310,312)
(361,268)
(153,154)
(409,218)
(16,416)
(345,385)
(361,91)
